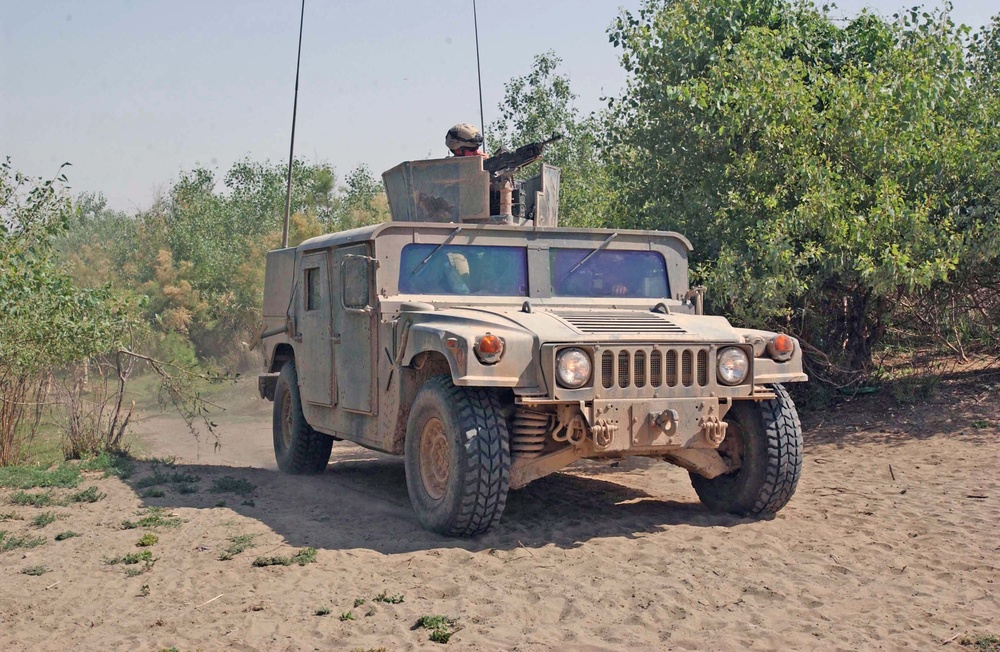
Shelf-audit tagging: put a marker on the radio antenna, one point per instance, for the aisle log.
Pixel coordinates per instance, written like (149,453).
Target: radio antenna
(291,147)
(479,70)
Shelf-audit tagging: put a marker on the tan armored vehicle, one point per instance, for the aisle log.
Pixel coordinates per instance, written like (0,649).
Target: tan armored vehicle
(491,350)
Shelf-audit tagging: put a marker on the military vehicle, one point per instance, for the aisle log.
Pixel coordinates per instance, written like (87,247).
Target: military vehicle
(492,347)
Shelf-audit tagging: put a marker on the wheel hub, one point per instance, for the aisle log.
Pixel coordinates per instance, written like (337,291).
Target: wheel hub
(435,458)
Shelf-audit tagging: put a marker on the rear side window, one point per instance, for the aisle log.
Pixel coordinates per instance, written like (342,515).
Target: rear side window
(608,273)
(463,269)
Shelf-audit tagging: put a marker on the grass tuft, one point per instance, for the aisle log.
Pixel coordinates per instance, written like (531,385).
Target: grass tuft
(131,558)
(10,516)
(112,464)
(31,477)
(358,602)
(152,519)
(44,519)
(984,643)
(238,544)
(68,534)
(302,557)
(153,492)
(88,495)
(347,615)
(38,499)
(230,485)
(323,611)
(34,571)
(24,541)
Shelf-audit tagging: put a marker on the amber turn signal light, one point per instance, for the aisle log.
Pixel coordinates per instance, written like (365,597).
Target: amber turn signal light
(781,347)
(489,348)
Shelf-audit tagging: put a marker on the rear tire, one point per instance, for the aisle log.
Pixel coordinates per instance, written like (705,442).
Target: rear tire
(298,449)
(457,458)
(770,436)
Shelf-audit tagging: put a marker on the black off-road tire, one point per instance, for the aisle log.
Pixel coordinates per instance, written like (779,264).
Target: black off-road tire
(471,434)
(298,449)
(772,459)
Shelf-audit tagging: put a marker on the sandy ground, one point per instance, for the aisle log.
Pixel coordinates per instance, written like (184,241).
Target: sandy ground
(608,556)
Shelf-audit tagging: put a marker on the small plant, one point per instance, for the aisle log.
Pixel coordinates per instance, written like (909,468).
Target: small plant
(40,499)
(153,492)
(144,590)
(388,599)
(358,602)
(347,615)
(153,518)
(136,571)
(88,495)
(230,485)
(302,557)
(370,612)
(68,534)
(221,503)
(238,544)
(442,627)
(249,503)
(980,423)
(44,519)
(10,516)
(24,541)
(131,558)
(187,488)
(34,571)
(984,643)
(147,540)
(112,464)
(322,612)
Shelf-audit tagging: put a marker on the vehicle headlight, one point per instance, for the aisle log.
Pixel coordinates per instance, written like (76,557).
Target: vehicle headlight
(573,368)
(733,365)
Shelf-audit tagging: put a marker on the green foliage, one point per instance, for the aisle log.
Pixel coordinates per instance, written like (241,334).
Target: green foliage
(43,519)
(34,571)
(347,615)
(147,540)
(131,558)
(88,495)
(388,599)
(68,534)
(153,518)
(442,627)
(47,321)
(229,484)
(237,544)
(822,171)
(302,557)
(30,477)
(15,542)
(535,107)
(37,499)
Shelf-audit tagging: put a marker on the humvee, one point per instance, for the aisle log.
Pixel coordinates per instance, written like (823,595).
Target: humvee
(491,350)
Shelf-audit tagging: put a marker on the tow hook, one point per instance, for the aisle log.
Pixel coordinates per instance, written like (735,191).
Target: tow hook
(665,421)
(713,430)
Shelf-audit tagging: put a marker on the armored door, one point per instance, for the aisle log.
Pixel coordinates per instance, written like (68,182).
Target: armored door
(354,329)
(315,368)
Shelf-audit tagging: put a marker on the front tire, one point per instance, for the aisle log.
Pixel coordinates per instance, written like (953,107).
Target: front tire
(767,436)
(298,449)
(457,458)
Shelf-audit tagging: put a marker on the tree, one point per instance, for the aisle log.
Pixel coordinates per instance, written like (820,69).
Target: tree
(535,107)
(822,171)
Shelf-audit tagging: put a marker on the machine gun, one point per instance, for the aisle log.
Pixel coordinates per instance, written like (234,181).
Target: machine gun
(505,163)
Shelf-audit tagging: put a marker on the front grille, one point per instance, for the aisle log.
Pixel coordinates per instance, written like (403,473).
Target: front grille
(624,321)
(636,367)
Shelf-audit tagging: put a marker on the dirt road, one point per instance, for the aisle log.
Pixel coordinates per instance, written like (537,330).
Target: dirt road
(607,556)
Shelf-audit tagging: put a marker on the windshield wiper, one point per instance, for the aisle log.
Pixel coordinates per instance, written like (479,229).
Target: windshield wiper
(436,249)
(591,254)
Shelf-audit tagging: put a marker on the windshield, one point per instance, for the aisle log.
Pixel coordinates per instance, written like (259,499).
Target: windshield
(608,273)
(463,269)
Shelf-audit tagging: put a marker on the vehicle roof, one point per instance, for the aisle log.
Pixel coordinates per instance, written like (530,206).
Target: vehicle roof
(365,233)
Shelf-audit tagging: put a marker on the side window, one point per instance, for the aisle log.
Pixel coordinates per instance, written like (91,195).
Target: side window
(355,281)
(312,288)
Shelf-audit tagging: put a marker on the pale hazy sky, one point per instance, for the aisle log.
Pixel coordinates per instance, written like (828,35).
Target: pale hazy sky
(132,93)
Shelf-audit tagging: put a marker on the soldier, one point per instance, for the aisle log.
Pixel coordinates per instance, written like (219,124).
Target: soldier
(464,140)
